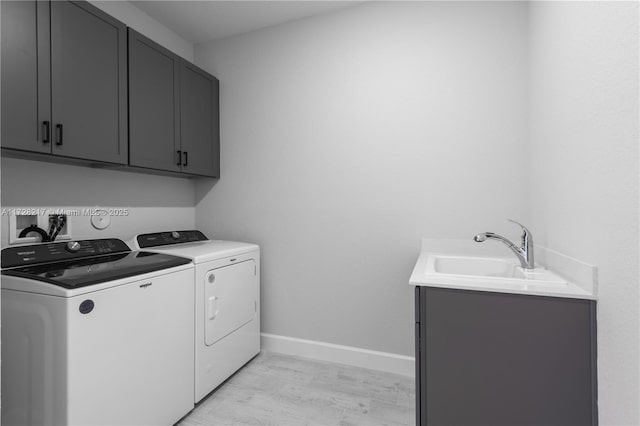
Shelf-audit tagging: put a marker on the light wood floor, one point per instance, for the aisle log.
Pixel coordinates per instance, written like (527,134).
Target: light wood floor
(282,390)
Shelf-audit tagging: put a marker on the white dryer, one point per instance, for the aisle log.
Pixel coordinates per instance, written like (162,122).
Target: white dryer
(227,301)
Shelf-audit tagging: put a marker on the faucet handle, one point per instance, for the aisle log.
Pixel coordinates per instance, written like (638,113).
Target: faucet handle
(527,246)
(524,228)
(526,234)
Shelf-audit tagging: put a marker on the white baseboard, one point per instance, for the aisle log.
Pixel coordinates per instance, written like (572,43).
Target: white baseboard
(349,355)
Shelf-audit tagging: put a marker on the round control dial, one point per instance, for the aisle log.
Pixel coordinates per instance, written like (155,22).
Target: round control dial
(73,246)
(175,234)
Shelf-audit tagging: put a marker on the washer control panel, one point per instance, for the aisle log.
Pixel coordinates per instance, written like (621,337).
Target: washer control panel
(53,252)
(169,237)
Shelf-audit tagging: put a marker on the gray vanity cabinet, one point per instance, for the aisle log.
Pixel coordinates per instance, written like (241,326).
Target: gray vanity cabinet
(173,112)
(154,105)
(64,81)
(501,359)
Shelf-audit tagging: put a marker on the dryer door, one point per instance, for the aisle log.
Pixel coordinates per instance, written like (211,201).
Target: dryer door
(230,299)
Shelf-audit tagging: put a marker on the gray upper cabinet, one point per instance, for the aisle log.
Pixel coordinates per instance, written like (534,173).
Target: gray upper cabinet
(173,107)
(64,81)
(88,83)
(78,86)
(154,107)
(199,120)
(26,91)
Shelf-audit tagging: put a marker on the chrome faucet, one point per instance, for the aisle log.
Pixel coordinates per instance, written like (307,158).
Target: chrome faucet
(524,253)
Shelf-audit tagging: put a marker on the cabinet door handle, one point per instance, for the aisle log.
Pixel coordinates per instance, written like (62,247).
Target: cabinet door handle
(186,158)
(46,132)
(59,134)
(179,157)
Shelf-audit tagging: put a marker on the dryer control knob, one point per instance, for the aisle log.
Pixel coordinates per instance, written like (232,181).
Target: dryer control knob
(175,234)
(73,246)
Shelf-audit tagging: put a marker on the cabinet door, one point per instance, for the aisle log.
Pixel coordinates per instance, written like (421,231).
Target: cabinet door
(154,126)
(26,102)
(506,359)
(89,86)
(199,121)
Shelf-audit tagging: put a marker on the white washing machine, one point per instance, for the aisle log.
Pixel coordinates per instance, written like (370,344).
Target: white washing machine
(227,301)
(95,334)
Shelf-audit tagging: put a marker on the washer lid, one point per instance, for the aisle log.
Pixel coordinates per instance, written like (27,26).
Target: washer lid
(88,271)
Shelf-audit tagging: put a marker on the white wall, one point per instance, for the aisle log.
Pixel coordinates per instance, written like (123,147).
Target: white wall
(584,170)
(349,136)
(146,25)
(156,202)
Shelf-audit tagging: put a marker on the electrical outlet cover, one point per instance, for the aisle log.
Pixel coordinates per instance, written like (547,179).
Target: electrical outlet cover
(101,220)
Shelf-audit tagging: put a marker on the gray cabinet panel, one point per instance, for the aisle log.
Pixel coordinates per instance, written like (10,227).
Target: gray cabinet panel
(26,102)
(199,121)
(65,91)
(505,359)
(154,126)
(420,370)
(88,68)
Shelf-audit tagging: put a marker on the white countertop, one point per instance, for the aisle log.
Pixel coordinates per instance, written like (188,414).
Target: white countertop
(539,282)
